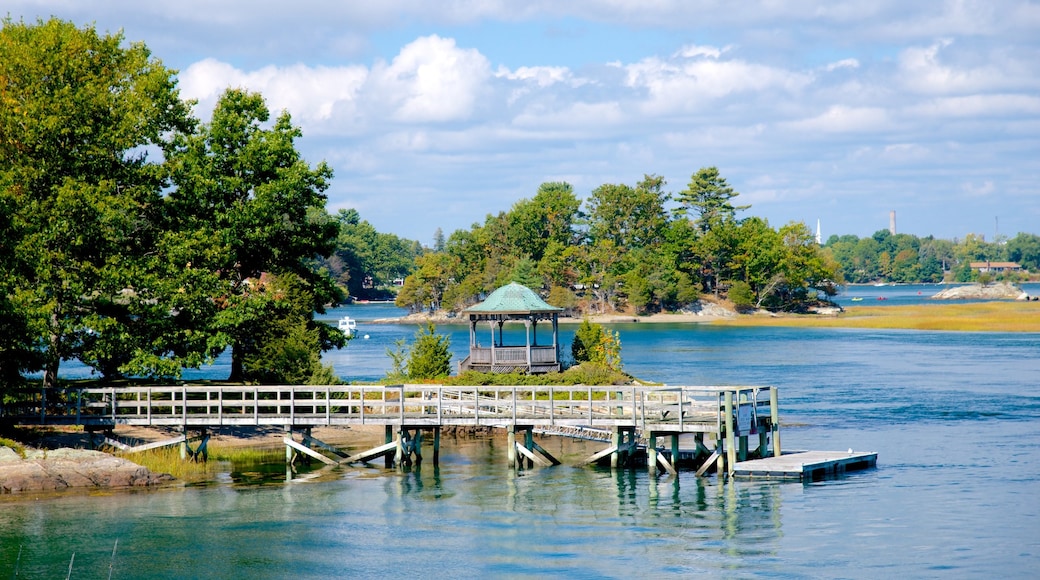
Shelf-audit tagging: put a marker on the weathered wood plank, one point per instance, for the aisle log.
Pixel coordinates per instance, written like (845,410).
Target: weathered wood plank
(308,451)
(806,465)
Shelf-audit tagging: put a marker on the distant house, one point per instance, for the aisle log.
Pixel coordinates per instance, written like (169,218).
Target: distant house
(996,267)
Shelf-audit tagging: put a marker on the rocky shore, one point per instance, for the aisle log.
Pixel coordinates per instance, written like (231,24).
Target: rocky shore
(60,469)
(999,291)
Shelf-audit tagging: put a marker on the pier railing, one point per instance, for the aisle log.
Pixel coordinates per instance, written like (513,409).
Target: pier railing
(678,408)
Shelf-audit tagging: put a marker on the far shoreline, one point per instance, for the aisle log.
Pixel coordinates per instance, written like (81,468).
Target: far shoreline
(991,316)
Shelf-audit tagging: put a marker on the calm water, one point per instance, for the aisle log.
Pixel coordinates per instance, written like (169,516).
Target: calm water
(954,417)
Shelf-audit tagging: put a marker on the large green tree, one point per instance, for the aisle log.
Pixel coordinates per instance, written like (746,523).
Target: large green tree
(80,115)
(247,205)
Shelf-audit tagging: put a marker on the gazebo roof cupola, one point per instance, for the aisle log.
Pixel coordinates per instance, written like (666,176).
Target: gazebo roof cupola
(513,298)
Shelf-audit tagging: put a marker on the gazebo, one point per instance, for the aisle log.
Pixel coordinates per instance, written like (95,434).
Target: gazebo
(512,303)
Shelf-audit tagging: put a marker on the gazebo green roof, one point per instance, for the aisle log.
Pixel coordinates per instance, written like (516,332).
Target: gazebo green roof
(512,298)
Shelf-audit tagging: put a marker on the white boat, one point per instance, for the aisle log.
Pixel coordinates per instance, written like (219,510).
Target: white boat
(348,325)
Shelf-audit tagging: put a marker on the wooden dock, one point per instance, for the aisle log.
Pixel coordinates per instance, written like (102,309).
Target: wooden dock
(736,429)
(806,465)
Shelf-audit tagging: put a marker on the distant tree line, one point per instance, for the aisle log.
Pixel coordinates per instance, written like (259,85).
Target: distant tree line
(905,258)
(633,248)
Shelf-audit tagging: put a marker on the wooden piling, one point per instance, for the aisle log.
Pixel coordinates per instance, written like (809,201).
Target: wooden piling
(774,421)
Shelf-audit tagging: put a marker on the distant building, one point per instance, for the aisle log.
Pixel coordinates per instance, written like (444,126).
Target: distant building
(996,267)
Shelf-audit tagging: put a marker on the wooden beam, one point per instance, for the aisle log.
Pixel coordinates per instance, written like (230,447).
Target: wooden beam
(707,463)
(600,455)
(665,464)
(364,456)
(547,455)
(532,456)
(312,442)
(307,451)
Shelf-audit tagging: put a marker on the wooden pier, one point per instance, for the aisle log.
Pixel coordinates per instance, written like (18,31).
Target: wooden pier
(806,465)
(729,425)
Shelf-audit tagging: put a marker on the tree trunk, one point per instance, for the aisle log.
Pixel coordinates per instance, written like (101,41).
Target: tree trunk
(237,369)
(53,363)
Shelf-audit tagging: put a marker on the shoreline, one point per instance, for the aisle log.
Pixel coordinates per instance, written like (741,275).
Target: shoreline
(946,315)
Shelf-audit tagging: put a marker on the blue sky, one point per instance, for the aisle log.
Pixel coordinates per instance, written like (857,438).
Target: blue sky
(434,114)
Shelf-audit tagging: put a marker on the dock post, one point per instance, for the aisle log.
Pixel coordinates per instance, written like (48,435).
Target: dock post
(399,453)
(511,445)
(774,420)
(437,445)
(417,446)
(529,444)
(651,454)
(388,459)
(615,441)
(731,447)
(675,450)
(290,454)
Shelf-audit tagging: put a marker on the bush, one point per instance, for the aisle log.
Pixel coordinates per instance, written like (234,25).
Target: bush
(589,373)
(430,355)
(741,295)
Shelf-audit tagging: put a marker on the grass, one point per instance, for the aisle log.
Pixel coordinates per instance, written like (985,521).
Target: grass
(168,460)
(1017,316)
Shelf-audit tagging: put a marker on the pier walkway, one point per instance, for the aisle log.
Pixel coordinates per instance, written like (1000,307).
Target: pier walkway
(729,424)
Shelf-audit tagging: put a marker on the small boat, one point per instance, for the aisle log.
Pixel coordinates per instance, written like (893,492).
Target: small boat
(858,299)
(348,325)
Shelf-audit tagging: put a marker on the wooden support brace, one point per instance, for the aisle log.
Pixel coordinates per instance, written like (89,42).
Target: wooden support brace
(289,442)
(364,456)
(531,456)
(600,455)
(663,461)
(312,442)
(547,455)
(707,463)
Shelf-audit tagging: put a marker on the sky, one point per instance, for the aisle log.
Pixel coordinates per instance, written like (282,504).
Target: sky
(434,114)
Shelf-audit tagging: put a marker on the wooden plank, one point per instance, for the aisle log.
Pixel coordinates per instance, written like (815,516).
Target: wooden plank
(803,465)
(665,464)
(547,455)
(600,455)
(308,451)
(532,456)
(364,456)
(708,463)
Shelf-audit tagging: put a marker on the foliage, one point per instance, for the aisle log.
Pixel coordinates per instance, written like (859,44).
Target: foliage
(592,343)
(588,373)
(430,355)
(247,204)
(80,114)
(398,355)
(741,295)
(366,262)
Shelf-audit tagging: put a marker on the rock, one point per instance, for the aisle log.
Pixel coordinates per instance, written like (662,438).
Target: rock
(65,468)
(704,308)
(999,291)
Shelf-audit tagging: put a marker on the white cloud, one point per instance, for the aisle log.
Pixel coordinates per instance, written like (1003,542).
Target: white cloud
(310,94)
(431,80)
(843,119)
(694,51)
(690,85)
(543,76)
(849,63)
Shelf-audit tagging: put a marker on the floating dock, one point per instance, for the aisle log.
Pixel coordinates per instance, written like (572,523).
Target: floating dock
(806,465)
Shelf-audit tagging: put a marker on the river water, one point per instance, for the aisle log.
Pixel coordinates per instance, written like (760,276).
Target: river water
(955,418)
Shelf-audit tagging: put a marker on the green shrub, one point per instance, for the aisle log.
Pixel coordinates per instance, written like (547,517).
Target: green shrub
(430,355)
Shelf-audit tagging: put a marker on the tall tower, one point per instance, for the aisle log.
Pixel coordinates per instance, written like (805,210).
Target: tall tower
(819,236)
(892,222)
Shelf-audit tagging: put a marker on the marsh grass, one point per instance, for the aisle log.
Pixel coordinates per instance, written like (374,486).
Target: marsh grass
(962,317)
(168,460)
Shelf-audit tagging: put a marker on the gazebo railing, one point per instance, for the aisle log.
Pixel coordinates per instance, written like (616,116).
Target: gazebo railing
(512,355)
